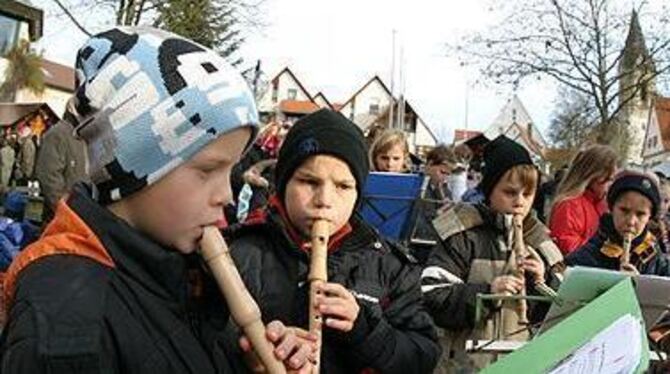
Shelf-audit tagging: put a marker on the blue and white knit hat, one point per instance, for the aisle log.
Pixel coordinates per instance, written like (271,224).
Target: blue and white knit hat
(147,101)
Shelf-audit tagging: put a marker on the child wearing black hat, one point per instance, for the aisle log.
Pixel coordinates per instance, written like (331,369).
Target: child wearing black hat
(474,253)
(374,317)
(633,199)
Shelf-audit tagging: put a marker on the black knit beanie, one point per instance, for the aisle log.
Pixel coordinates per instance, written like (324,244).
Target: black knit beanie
(323,133)
(500,155)
(638,182)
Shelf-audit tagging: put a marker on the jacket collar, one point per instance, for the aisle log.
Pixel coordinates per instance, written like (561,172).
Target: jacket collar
(159,269)
(609,232)
(292,234)
(492,218)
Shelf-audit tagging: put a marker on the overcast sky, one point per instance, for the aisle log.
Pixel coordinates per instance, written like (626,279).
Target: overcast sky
(336,46)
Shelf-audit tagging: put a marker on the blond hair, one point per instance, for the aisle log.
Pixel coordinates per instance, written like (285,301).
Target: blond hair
(384,142)
(595,162)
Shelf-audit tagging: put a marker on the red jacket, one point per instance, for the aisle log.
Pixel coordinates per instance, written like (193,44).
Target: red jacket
(574,221)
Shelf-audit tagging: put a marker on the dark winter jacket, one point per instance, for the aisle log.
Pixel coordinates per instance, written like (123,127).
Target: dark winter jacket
(474,251)
(94,295)
(438,193)
(604,250)
(392,334)
(544,198)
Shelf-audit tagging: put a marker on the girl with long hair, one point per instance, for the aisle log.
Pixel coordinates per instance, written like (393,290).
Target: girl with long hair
(580,198)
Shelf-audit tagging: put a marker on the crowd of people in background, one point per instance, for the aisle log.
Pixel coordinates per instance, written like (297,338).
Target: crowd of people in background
(17,159)
(576,217)
(124,215)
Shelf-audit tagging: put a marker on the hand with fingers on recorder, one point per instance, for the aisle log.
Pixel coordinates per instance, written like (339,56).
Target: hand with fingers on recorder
(294,346)
(338,307)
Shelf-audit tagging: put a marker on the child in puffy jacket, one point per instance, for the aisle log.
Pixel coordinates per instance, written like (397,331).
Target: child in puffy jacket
(633,200)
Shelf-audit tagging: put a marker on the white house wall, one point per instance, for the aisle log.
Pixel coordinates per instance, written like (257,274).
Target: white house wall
(373,93)
(285,82)
(653,144)
(411,139)
(346,110)
(637,124)
(656,159)
(55,98)
(319,100)
(513,112)
(424,138)
(24,31)
(265,103)
(3,67)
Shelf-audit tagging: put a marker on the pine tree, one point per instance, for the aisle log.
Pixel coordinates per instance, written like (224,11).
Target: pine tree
(211,23)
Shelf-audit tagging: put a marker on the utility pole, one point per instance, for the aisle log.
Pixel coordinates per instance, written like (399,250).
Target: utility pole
(467,102)
(391,124)
(401,95)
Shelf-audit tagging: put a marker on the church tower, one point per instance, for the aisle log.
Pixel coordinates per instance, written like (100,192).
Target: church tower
(637,88)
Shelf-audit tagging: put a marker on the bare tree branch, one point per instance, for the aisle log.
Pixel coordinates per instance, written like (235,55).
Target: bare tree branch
(577,43)
(71,17)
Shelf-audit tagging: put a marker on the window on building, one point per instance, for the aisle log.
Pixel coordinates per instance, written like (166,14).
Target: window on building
(274,94)
(9,33)
(374,106)
(410,124)
(292,93)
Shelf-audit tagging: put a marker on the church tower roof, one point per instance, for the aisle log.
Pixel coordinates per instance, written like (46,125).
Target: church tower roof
(635,49)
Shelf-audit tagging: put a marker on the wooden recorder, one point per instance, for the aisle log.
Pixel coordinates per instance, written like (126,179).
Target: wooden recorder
(318,275)
(243,308)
